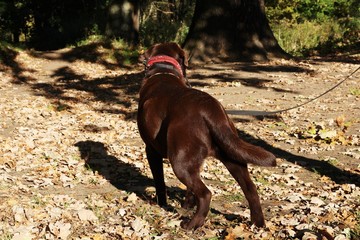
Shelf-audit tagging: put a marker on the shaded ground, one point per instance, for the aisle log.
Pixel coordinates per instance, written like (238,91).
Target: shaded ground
(73,166)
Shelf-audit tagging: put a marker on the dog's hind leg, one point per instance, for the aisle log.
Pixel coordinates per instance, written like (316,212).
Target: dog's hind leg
(156,165)
(190,201)
(242,176)
(188,172)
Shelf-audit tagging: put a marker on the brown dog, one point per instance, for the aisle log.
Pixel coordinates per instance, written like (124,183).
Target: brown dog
(186,125)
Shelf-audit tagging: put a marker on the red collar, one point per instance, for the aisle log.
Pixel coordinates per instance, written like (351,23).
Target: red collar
(166,59)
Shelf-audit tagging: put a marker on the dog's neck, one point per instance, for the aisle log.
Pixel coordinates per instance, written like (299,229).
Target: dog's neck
(165,62)
(168,65)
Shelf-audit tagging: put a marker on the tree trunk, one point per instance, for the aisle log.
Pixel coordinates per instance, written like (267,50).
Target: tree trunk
(231,30)
(123,20)
(15,21)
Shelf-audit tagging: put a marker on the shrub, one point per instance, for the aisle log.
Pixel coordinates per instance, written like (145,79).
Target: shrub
(299,38)
(322,26)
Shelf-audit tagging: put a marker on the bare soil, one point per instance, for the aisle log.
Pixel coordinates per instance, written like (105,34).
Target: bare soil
(72,164)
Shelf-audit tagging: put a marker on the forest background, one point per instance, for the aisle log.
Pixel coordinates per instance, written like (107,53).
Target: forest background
(302,27)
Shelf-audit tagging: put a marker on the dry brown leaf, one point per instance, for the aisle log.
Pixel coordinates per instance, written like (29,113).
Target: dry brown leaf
(132,198)
(87,215)
(340,120)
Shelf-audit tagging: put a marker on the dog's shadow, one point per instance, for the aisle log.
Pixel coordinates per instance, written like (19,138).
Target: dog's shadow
(122,175)
(129,178)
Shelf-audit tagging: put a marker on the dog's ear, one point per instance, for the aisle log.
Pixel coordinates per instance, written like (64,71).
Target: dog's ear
(145,55)
(142,57)
(184,58)
(182,55)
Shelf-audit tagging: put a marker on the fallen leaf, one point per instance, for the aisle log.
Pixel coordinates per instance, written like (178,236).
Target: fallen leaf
(137,224)
(295,197)
(132,198)
(87,215)
(122,212)
(340,120)
(289,222)
(23,233)
(140,227)
(19,214)
(317,201)
(60,229)
(174,223)
(326,134)
(309,236)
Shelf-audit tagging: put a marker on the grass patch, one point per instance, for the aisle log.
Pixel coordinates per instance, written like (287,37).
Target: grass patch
(89,40)
(6,236)
(355,233)
(234,198)
(355,92)
(332,161)
(38,201)
(58,107)
(142,211)
(262,180)
(126,56)
(106,51)
(315,170)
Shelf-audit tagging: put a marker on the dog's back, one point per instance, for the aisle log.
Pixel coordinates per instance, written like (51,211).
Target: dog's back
(188,114)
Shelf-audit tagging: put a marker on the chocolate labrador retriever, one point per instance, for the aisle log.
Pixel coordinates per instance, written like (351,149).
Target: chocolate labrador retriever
(186,125)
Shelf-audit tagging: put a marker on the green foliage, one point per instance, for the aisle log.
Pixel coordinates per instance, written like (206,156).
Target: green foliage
(54,24)
(163,21)
(153,33)
(50,24)
(281,10)
(321,26)
(89,40)
(310,10)
(300,38)
(301,26)
(318,10)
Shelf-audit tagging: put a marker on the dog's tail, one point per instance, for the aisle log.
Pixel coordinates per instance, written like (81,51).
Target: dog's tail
(236,149)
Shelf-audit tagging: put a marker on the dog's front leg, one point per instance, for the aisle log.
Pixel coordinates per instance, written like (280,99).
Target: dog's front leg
(156,165)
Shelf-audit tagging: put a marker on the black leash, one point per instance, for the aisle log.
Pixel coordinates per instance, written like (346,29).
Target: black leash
(265,113)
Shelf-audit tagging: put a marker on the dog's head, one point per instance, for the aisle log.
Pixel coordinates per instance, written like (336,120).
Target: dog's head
(170,53)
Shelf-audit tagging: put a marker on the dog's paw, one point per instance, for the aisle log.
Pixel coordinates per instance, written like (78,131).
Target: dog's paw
(259,222)
(191,224)
(185,223)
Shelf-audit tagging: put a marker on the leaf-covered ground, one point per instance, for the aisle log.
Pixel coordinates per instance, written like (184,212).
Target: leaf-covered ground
(72,164)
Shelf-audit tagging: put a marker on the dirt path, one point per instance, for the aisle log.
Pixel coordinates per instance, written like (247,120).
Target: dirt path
(72,165)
